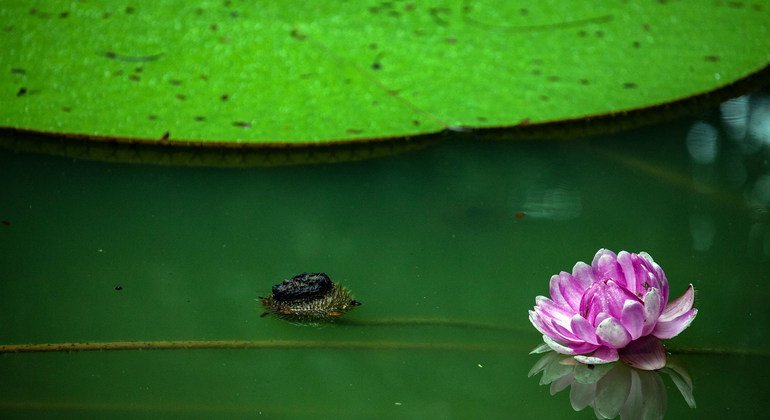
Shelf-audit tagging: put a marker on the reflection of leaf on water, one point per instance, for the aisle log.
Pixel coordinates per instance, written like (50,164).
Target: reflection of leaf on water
(555,204)
(612,389)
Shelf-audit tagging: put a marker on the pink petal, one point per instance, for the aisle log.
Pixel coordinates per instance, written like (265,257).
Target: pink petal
(681,305)
(569,348)
(548,310)
(605,265)
(565,334)
(612,334)
(652,309)
(555,292)
(543,325)
(540,325)
(583,329)
(632,318)
(626,263)
(646,353)
(672,328)
(600,356)
(551,309)
(590,305)
(657,277)
(569,289)
(602,253)
(600,317)
(604,296)
(584,274)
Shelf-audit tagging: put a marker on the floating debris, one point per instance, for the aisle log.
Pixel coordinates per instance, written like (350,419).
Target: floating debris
(308,297)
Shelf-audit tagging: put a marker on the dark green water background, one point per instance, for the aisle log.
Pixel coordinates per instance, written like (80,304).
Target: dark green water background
(426,236)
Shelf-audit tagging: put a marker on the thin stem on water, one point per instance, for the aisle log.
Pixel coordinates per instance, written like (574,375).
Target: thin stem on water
(344,345)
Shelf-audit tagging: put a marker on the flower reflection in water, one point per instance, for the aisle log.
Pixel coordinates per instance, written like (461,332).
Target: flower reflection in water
(612,389)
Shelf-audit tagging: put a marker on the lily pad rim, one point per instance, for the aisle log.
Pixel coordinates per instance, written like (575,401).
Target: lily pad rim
(607,123)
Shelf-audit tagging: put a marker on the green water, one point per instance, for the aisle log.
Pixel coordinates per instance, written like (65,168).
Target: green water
(446,247)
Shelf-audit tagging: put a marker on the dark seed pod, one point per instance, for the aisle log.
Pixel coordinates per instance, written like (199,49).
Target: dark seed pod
(308,298)
(302,286)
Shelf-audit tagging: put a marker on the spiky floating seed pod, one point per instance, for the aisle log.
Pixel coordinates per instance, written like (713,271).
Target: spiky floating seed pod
(308,297)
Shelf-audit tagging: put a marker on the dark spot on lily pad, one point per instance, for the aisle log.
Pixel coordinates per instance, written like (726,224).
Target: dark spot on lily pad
(118,288)
(5,223)
(242,124)
(200,118)
(152,117)
(711,58)
(296,34)
(165,136)
(630,85)
(181,96)
(22,91)
(354,131)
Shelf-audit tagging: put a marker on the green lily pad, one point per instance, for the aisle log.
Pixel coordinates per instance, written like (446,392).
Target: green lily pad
(299,73)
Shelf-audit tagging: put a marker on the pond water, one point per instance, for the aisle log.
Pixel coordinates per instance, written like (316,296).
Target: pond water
(446,248)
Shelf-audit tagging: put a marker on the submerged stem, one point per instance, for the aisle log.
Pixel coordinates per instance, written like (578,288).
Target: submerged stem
(346,345)
(247,344)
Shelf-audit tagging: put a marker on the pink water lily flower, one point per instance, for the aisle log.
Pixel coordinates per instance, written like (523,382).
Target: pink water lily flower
(612,310)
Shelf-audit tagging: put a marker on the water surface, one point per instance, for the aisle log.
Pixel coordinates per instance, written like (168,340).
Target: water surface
(446,247)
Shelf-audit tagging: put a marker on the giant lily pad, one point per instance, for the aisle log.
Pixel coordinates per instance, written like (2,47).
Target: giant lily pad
(298,73)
